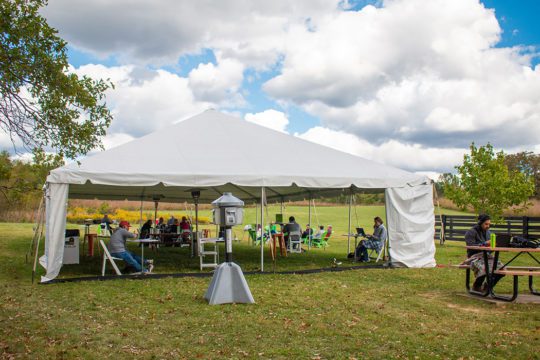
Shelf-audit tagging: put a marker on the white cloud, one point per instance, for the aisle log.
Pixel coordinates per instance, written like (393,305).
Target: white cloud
(405,156)
(409,76)
(270,118)
(218,84)
(145,100)
(161,31)
(413,71)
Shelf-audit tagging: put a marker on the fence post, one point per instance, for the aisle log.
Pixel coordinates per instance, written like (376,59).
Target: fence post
(452,228)
(443,228)
(525,226)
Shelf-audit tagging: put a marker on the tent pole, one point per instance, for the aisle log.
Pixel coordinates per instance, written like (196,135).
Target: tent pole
(40,226)
(256,222)
(349,228)
(441,233)
(309,221)
(140,212)
(262,229)
(389,263)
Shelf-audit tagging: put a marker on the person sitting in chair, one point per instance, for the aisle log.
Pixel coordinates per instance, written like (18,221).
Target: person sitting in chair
(185,230)
(375,241)
(117,248)
(479,235)
(319,232)
(145,230)
(290,227)
(308,233)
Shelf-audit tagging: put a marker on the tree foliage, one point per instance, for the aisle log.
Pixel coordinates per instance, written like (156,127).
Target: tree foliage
(484,182)
(528,163)
(21,182)
(42,103)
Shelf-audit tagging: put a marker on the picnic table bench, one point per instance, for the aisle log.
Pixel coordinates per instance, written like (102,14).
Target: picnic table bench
(506,269)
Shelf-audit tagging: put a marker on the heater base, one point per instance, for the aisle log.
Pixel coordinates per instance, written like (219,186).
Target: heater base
(228,286)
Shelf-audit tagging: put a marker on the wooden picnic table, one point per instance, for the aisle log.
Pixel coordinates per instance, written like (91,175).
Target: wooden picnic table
(529,271)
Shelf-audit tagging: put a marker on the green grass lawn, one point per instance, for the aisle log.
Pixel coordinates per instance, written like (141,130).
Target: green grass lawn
(369,313)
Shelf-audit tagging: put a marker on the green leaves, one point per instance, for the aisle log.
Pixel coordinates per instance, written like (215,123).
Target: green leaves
(41,103)
(484,183)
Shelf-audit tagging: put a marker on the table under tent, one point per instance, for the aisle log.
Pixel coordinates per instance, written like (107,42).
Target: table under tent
(215,153)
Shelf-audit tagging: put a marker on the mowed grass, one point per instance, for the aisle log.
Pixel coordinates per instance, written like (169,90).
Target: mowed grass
(367,313)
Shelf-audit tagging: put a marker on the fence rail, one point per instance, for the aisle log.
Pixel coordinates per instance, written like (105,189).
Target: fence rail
(455,226)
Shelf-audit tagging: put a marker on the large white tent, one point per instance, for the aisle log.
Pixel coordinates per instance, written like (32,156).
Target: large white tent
(216,153)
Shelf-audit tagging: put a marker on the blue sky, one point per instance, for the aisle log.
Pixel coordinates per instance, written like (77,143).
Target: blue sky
(409,83)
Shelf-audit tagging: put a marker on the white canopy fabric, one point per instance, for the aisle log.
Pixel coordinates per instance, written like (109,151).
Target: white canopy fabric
(215,153)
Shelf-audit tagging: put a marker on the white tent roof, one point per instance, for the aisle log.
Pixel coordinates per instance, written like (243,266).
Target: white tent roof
(218,153)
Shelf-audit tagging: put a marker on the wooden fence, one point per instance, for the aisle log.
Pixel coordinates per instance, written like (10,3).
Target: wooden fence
(455,226)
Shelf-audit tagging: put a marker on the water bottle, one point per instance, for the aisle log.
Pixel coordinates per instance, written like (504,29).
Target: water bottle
(493,240)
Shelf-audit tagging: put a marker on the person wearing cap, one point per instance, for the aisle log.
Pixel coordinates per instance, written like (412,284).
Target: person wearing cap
(117,248)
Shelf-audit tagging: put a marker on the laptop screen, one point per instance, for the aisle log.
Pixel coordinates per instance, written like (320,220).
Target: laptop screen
(360,231)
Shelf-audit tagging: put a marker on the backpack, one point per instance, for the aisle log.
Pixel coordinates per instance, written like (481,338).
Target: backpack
(521,242)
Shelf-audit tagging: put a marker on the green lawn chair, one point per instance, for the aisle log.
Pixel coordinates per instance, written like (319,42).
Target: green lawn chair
(254,238)
(322,242)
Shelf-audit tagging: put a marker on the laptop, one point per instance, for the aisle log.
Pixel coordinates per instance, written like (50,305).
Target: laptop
(360,231)
(503,240)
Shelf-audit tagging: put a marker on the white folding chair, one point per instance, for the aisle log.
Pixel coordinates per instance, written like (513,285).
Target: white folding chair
(110,258)
(295,237)
(380,254)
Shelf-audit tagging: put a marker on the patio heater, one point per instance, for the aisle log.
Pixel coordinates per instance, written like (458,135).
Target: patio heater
(228,284)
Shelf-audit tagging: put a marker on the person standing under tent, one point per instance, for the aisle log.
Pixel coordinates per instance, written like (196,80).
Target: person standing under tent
(170,222)
(479,235)
(117,248)
(290,227)
(375,241)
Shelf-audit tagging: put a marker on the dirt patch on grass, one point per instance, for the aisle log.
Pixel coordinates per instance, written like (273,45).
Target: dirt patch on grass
(464,308)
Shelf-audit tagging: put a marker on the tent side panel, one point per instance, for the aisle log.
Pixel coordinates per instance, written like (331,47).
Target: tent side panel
(56,210)
(411,226)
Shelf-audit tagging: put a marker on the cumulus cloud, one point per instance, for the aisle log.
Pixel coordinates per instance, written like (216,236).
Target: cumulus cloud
(406,76)
(218,83)
(145,100)
(161,31)
(270,118)
(413,71)
(412,157)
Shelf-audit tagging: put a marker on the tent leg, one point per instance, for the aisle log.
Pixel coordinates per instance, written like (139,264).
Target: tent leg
(310,225)
(40,227)
(389,262)
(349,228)
(262,229)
